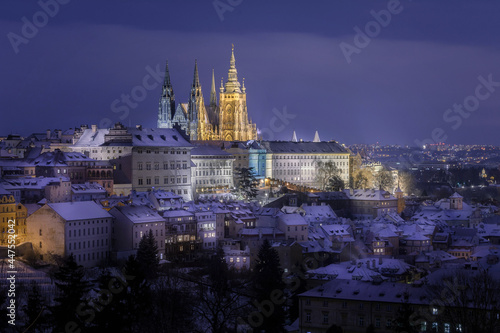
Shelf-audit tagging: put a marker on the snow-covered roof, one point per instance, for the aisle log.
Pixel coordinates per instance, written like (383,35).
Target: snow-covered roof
(37,183)
(176,213)
(209,150)
(289,147)
(87,188)
(82,210)
(158,137)
(292,219)
(369,195)
(141,137)
(140,214)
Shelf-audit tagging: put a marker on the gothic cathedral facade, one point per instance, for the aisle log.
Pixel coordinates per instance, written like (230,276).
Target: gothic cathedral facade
(227,120)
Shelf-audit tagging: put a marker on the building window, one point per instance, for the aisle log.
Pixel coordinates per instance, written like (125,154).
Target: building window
(308,317)
(40,244)
(377,322)
(139,181)
(148,181)
(325,317)
(361,321)
(41,232)
(139,165)
(148,166)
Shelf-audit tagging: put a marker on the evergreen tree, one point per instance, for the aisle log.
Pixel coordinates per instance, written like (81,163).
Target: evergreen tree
(138,299)
(218,273)
(147,255)
(246,183)
(110,303)
(217,305)
(72,289)
(268,281)
(34,309)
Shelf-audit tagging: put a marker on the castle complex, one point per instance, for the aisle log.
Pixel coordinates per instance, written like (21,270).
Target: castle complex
(226,120)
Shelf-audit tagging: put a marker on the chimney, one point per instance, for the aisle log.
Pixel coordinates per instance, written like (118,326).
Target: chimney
(59,134)
(48,134)
(94,128)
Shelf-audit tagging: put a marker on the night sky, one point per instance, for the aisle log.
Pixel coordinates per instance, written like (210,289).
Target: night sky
(396,89)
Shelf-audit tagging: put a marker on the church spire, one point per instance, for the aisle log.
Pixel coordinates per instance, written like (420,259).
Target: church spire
(196,80)
(294,137)
(232,84)
(213,95)
(166,108)
(316,137)
(166,82)
(168,90)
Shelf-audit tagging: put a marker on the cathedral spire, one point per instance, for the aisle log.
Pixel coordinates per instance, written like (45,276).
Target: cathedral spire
(196,80)
(232,84)
(213,95)
(166,82)
(167,89)
(294,137)
(166,108)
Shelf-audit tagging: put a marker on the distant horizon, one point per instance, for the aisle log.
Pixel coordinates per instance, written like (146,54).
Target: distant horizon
(276,139)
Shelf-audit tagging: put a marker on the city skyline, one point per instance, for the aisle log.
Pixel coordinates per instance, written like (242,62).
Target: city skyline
(395,89)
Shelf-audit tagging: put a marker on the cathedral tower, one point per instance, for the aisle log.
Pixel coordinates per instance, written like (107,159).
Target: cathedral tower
(233,114)
(198,124)
(167,102)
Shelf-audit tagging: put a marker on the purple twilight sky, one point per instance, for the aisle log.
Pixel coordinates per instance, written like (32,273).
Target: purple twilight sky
(395,87)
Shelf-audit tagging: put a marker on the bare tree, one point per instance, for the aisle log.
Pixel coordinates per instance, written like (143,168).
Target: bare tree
(384,180)
(326,171)
(468,301)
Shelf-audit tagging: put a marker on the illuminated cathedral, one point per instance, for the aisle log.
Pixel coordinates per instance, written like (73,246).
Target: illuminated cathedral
(226,120)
